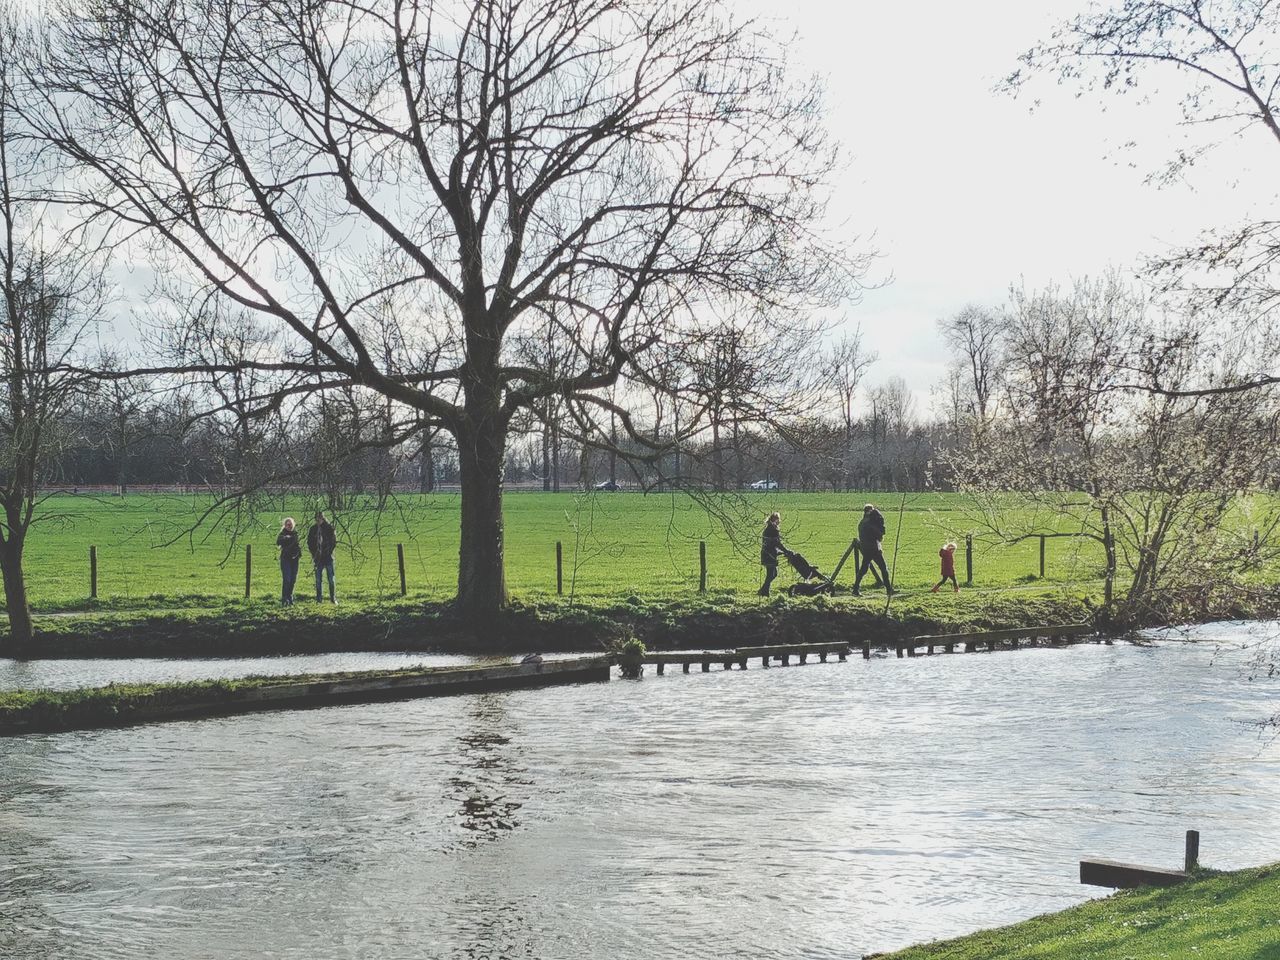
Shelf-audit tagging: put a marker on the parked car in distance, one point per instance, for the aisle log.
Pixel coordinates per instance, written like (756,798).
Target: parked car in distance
(607,485)
(765,485)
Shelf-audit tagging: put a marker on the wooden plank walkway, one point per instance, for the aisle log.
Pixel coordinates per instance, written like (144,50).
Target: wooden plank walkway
(743,655)
(994,639)
(1054,635)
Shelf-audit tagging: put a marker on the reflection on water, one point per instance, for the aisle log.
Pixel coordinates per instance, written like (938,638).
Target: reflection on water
(489,782)
(817,812)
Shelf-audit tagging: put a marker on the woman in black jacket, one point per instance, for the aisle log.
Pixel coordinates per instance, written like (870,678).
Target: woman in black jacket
(290,553)
(770,547)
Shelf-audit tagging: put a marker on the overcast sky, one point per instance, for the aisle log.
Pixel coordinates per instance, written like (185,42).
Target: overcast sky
(967,189)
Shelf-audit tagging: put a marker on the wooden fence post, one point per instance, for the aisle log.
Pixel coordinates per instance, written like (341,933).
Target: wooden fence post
(968,559)
(93,572)
(702,566)
(1042,556)
(1193,851)
(559,569)
(400,560)
(248,568)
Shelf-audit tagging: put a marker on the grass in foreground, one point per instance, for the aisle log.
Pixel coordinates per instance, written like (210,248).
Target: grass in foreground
(1228,916)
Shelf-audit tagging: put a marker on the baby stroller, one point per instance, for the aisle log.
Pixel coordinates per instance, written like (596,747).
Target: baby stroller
(812,581)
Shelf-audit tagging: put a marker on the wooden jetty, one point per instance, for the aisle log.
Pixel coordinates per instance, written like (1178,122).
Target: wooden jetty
(991,639)
(741,656)
(1126,876)
(174,703)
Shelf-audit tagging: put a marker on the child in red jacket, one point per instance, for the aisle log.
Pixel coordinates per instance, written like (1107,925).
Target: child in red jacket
(948,555)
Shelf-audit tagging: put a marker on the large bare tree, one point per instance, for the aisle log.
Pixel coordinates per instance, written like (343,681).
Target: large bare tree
(605,170)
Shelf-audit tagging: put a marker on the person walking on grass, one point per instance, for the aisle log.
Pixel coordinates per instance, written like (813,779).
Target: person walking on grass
(290,554)
(770,547)
(321,543)
(870,535)
(948,556)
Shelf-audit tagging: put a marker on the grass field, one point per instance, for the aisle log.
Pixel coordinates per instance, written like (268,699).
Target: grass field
(1231,916)
(615,545)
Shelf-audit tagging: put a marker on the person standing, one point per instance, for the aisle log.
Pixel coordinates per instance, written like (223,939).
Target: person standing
(321,543)
(290,554)
(948,557)
(770,547)
(870,535)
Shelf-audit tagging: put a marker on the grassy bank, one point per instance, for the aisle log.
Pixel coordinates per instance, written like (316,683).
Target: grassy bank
(1228,916)
(711,620)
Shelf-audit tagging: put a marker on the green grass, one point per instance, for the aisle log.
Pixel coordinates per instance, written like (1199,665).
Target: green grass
(1229,916)
(615,545)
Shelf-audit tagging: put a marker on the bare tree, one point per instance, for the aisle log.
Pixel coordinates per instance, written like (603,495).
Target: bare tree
(973,336)
(51,295)
(1152,477)
(846,365)
(604,167)
(1220,62)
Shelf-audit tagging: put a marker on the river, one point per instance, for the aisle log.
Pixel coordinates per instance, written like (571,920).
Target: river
(822,811)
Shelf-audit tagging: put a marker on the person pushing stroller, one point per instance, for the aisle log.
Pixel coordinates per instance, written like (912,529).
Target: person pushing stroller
(770,549)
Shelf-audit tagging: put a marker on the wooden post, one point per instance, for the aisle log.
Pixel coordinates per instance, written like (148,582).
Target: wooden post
(660,666)
(559,569)
(1042,556)
(866,649)
(1193,851)
(248,568)
(900,650)
(706,666)
(93,572)
(702,566)
(968,559)
(400,560)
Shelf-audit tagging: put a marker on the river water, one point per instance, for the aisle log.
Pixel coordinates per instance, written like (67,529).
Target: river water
(806,812)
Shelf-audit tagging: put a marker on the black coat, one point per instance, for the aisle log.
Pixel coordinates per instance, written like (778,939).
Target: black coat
(770,545)
(871,530)
(321,542)
(287,541)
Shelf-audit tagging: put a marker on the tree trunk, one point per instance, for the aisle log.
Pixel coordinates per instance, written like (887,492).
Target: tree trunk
(15,593)
(482,585)
(427,468)
(1109,549)
(546,458)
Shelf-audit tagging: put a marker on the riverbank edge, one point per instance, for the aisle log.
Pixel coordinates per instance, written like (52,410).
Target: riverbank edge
(541,626)
(1223,909)
(53,711)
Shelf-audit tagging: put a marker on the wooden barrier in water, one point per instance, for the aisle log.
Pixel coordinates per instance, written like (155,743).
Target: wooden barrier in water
(172,703)
(742,655)
(1126,876)
(992,639)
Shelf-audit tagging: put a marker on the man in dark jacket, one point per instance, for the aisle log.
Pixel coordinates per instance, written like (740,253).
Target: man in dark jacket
(321,542)
(870,534)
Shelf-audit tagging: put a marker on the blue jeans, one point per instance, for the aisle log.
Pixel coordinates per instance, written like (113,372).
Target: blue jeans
(323,568)
(288,577)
